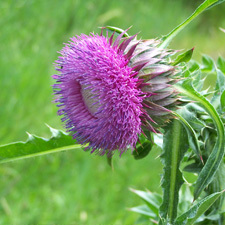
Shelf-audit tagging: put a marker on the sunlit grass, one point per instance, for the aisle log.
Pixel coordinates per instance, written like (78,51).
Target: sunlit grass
(59,189)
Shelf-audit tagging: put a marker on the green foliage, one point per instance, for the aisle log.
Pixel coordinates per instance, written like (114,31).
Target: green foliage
(203,120)
(144,146)
(189,217)
(219,89)
(175,144)
(189,212)
(222,101)
(221,64)
(205,5)
(184,57)
(143,150)
(215,158)
(35,146)
(216,3)
(207,63)
(116,30)
(151,209)
(184,115)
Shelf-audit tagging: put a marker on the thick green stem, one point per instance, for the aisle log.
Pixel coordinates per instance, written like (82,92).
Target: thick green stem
(175,144)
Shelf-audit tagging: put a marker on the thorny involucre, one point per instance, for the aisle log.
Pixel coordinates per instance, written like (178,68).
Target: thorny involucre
(112,89)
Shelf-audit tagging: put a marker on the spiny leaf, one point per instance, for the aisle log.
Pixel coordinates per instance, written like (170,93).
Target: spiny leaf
(35,146)
(193,66)
(222,101)
(221,64)
(215,158)
(189,217)
(144,210)
(207,63)
(144,220)
(198,81)
(194,113)
(153,200)
(175,144)
(184,57)
(192,136)
(220,87)
(217,185)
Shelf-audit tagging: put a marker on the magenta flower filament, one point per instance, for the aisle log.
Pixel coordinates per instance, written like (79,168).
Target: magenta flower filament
(108,91)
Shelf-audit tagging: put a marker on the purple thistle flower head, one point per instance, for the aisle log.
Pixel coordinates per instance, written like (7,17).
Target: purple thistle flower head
(109,91)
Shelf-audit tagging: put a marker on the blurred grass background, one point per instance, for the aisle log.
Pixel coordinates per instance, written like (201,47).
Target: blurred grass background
(75,187)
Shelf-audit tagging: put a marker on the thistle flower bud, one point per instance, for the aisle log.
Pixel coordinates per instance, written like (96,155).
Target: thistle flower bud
(112,89)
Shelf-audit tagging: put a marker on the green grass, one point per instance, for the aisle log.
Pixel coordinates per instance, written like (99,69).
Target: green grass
(75,187)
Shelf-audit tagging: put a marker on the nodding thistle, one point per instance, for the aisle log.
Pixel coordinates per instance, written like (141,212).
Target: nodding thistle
(111,89)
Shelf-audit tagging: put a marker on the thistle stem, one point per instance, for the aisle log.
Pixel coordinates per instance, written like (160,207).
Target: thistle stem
(169,37)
